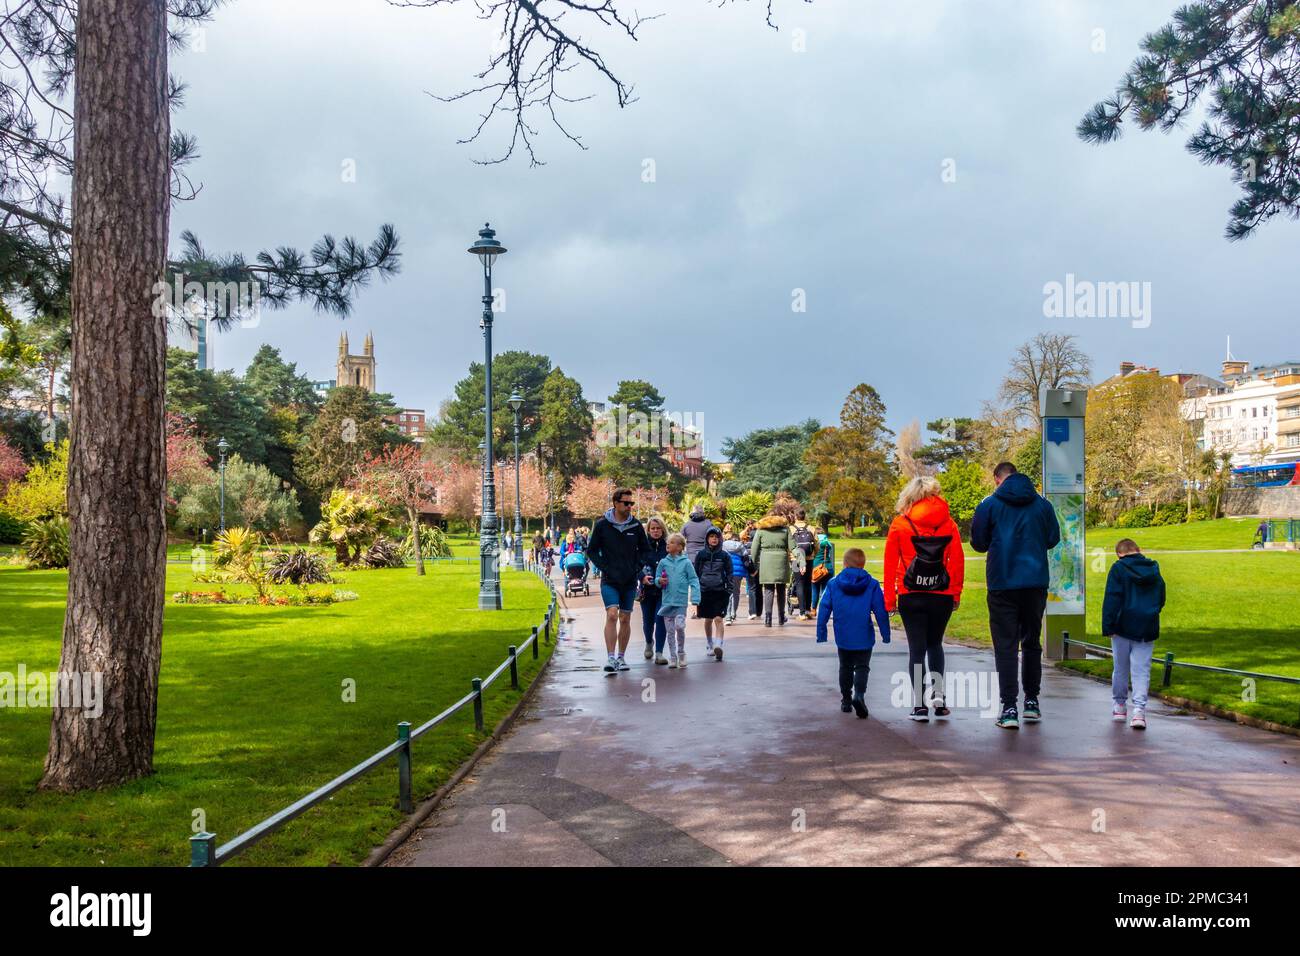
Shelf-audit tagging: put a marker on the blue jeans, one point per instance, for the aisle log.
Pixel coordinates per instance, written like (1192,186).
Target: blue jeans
(651,623)
(621,597)
(1132,662)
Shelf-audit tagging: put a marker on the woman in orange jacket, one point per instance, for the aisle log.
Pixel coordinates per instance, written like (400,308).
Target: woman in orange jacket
(925,568)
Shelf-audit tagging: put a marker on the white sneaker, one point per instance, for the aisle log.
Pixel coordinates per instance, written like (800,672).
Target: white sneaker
(660,659)
(1139,721)
(1118,712)
(681,660)
(611,664)
(649,651)
(672,662)
(622,664)
(753,617)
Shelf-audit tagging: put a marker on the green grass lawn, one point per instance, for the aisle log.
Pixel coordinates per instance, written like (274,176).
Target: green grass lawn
(251,715)
(1227,610)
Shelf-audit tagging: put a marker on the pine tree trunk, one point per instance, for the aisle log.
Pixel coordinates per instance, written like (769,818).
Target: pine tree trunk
(120,206)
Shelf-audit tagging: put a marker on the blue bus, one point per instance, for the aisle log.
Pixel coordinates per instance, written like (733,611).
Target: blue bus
(1265,476)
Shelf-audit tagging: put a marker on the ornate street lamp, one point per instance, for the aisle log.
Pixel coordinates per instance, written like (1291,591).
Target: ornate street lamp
(487,248)
(516,402)
(222,447)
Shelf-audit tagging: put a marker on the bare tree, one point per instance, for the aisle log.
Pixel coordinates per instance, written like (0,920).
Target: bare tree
(1048,360)
(908,443)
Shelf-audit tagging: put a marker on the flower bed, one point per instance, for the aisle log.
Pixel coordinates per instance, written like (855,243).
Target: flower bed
(298,598)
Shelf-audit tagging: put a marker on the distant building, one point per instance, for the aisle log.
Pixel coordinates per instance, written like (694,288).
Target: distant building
(410,422)
(190,332)
(1256,416)
(358,370)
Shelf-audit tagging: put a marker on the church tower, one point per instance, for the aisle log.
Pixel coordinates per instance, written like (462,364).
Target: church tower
(357,370)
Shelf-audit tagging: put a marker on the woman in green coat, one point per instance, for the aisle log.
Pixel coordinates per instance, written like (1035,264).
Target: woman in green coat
(770,552)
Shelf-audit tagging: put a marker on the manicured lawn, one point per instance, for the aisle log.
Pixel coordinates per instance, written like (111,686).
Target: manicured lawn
(1227,610)
(251,715)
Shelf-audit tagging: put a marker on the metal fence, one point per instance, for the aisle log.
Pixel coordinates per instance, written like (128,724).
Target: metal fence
(204,850)
(1170,663)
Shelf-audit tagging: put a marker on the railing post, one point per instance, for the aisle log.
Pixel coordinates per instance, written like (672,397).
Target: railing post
(534,643)
(547,622)
(404,767)
(203,849)
(514,667)
(477,684)
(1169,667)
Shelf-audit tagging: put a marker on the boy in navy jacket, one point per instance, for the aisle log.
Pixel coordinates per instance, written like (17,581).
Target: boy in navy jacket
(1130,617)
(853,598)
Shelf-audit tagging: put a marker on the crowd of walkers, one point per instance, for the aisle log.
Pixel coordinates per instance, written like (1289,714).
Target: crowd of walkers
(787,568)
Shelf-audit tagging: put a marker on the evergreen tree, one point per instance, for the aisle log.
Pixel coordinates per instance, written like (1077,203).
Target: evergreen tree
(349,429)
(851,466)
(565,427)
(460,421)
(633,434)
(770,460)
(1244,57)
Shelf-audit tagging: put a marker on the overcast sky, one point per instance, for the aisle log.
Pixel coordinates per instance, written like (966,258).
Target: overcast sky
(775,170)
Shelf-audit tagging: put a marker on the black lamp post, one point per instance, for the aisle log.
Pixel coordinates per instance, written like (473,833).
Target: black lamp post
(487,248)
(222,447)
(516,403)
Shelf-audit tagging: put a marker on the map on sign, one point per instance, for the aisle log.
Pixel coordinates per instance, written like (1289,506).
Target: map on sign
(1065,562)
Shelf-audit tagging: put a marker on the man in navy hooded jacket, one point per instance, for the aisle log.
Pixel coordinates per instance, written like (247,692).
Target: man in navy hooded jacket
(853,598)
(1016,527)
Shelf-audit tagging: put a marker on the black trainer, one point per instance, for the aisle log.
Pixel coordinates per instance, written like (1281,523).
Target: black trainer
(846,707)
(1009,719)
(860,707)
(920,714)
(1032,710)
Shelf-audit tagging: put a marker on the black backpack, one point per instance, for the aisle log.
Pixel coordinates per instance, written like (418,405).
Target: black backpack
(927,571)
(806,541)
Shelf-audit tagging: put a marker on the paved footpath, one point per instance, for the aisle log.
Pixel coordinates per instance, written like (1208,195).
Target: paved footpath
(749,761)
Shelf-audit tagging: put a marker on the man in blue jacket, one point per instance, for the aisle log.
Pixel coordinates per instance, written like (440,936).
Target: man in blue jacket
(852,598)
(1016,527)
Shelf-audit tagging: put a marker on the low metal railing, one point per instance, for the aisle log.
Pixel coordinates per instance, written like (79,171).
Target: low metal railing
(1170,663)
(204,850)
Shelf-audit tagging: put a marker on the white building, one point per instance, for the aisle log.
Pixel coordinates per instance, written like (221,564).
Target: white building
(1256,416)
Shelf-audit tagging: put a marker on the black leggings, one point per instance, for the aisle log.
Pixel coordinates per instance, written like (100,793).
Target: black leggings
(773,595)
(925,617)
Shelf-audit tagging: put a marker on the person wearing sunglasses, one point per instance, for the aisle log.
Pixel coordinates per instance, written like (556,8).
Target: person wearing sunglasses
(619,549)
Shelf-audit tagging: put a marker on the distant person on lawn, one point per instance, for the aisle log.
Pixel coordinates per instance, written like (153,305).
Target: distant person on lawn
(1130,617)
(618,548)
(1016,527)
(850,601)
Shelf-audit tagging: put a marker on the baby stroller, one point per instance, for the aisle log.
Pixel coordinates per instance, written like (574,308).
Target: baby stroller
(576,569)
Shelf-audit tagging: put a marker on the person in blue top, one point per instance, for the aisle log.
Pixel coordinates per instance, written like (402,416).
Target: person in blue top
(851,600)
(1016,527)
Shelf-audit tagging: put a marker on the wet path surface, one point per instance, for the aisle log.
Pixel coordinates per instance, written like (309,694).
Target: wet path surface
(749,761)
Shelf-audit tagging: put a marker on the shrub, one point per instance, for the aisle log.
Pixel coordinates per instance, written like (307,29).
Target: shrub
(45,543)
(1139,517)
(746,507)
(11,529)
(299,566)
(434,543)
(383,553)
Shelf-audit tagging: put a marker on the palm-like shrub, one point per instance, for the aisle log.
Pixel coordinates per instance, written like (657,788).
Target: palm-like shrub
(45,543)
(348,520)
(299,566)
(433,542)
(383,553)
(748,506)
(239,551)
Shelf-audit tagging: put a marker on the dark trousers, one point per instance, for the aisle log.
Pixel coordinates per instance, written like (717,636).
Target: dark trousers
(755,592)
(925,618)
(803,590)
(652,624)
(773,594)
(1016,626)
(735,593)
(855,666)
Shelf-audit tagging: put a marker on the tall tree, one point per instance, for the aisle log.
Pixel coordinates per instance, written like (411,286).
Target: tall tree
(634,435)
(349,429)
(460,422)
(399,478)
(117,469)
(1048,360)
(1244,56)
(564,431)
(851,463)
(770,460)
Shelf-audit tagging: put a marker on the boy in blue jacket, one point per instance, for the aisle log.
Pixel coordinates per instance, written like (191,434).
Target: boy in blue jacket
(852,598)
(1130,617)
